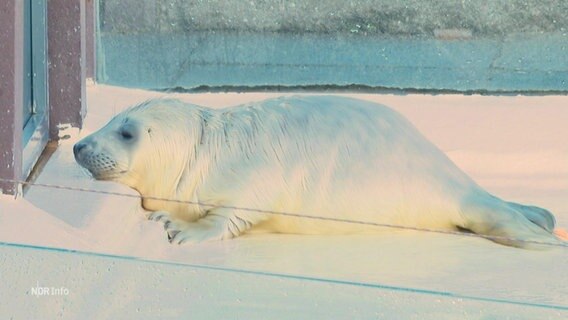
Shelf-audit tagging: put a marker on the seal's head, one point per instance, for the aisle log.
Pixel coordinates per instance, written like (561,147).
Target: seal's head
(147,143)
(107,154)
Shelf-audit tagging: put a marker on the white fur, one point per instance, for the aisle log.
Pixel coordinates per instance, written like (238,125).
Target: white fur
(320,155)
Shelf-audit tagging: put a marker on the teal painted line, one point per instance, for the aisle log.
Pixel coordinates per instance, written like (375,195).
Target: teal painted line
(445,294)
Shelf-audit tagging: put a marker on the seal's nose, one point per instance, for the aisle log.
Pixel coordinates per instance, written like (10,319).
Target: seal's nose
(78,147)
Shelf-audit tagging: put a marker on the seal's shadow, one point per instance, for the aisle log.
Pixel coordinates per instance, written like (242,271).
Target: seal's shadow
(77,208)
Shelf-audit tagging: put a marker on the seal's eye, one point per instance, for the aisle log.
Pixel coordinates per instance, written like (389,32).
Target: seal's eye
(128,132)
(126,135)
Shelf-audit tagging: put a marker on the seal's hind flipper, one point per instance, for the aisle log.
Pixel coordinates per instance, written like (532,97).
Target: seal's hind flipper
(506,224)
(541,217)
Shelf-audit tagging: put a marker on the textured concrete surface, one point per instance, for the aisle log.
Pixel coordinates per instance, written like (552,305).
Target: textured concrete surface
(390,17)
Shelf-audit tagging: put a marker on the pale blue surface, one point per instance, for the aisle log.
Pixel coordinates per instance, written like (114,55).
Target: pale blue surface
(536,62)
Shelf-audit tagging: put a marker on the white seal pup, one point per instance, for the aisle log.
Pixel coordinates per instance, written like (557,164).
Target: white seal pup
(327,156)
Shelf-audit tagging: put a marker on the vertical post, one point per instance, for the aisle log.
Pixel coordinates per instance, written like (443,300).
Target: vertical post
(11,92)
(66,51)
(90,27)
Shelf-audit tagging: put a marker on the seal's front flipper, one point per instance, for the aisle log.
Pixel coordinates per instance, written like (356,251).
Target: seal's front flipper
(504,224)
(218,224)
(158,216)
(208,228)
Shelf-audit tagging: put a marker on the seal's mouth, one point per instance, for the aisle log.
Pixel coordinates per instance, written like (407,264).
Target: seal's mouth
(106,176)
